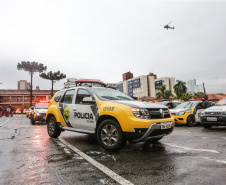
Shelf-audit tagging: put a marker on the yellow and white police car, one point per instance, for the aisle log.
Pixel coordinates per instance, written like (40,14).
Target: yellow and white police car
(189,112)
(110,114)
(38,113)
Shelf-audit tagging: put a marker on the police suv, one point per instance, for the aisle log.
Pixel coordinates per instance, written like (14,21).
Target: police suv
(215,115)
(39,111)
(110,114)
(189,112)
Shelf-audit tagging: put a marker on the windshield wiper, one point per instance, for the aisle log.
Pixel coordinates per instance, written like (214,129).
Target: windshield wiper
(109,97)
(124,98)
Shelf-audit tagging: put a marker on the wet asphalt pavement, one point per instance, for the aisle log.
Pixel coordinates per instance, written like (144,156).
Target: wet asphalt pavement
(190,155)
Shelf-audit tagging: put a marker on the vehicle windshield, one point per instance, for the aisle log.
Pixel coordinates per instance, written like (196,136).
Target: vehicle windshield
(111,94)
(221,102)
(42,106)
(188,104)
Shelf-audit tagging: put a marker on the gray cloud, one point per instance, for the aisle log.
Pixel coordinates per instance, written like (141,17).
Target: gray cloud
(103,39)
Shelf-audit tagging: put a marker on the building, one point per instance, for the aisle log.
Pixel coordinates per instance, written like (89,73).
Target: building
(193,88)
(20,97)
(145,85)
(22,85)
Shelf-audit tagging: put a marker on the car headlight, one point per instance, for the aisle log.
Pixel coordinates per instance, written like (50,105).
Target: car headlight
(180,113)
(202,113)
(141,113)
(37,113)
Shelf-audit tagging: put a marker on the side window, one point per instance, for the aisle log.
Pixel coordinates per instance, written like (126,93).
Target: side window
(82,93)
(68,96)
(57,97)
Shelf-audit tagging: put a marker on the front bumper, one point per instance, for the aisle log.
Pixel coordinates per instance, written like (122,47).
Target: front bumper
(40,117)
(221,120)
(180,119)
(143,134)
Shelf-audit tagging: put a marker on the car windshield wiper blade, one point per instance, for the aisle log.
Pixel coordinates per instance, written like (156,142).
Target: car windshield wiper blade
(123,98)
(110,97)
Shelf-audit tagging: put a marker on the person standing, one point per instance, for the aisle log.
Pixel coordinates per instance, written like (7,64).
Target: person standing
(7,111)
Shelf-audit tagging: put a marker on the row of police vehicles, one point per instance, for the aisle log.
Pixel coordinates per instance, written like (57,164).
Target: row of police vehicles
(91,107)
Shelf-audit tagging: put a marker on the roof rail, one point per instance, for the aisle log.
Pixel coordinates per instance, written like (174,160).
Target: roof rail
(86,83)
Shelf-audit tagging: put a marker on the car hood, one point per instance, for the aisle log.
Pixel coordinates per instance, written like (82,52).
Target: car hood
(138,104)
(41,110)
(179,110)
(216,108)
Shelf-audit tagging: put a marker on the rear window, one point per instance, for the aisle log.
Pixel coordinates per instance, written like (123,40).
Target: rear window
(42,106)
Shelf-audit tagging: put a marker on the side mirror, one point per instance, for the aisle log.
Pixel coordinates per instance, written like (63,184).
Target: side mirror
(88,100)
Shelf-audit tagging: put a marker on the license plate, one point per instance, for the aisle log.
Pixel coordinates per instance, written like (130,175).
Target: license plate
(211,119)
(165,125)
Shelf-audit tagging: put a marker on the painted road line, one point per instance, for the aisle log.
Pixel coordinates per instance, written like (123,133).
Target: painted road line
(192,149)
(5,122)
(101,167)
(216,160)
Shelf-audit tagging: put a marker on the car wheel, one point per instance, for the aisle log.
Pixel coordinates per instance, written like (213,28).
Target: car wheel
(207,126)
(191,121)
(110,136)
(32,121)
(53,130)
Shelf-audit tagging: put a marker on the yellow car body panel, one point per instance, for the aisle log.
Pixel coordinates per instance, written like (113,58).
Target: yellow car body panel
(182,119)
(125,117)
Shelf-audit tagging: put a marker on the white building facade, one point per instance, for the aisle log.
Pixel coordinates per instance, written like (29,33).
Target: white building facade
(145,85)
(193,88)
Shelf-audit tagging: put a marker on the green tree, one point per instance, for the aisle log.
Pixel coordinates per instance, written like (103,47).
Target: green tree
(167,94)
(180,88)
(186,96)
(56,76)
(31,67)
(200,95)
(163,93)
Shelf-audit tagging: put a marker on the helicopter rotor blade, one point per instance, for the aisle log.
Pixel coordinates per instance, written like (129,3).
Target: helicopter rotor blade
(170,22)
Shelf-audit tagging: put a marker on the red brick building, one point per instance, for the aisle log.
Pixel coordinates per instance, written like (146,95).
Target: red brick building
(21,98)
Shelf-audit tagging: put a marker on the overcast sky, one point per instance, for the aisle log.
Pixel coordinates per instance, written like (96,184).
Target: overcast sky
(104,39)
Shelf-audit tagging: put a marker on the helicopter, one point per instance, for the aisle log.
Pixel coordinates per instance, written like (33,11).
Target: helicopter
(167,26)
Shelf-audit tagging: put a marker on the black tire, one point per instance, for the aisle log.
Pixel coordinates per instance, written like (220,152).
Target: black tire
(32,121)
(207,125)
(110,135)
(191,121)
(53,130)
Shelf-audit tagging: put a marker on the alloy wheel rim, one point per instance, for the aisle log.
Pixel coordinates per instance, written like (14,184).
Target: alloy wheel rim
(109,135)
(51,127)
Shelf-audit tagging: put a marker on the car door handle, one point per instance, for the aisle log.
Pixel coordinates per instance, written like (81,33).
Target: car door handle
(74,109)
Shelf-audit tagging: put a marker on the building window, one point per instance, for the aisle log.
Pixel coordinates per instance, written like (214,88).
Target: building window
(18,98)
(25,99)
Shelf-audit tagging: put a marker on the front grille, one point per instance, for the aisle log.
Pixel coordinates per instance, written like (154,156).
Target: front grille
(214,113)
(155,113)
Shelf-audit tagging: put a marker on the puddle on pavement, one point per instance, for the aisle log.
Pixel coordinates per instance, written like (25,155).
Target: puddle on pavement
(58,157)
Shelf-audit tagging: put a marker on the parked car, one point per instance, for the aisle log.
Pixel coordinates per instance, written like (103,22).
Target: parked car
(18,111)
(111,115)
(189,112)
(170,104)
(39,112)
(215,115)
(29,111)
